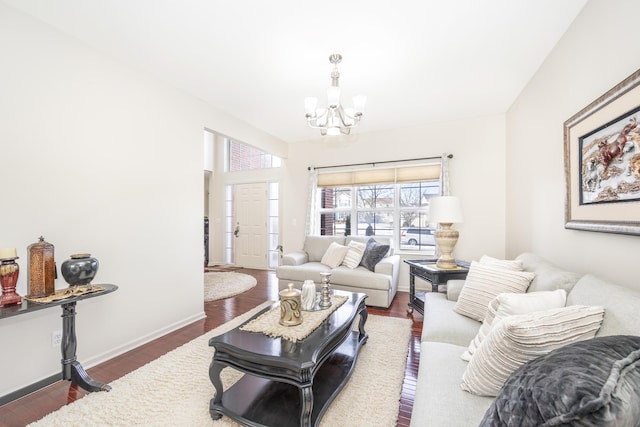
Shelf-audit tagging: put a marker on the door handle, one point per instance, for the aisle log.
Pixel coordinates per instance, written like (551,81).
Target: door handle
(236,232)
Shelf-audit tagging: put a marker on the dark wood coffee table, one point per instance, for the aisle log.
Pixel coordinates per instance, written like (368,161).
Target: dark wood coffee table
(288,383)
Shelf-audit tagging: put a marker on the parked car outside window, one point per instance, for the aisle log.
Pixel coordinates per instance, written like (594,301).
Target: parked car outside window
(414,236)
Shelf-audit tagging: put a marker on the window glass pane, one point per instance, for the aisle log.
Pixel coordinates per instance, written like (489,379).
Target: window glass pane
(273,207)
(375,196)
(335,224)
(273,225)
(371,223)
(417,235)
(243,157)
(335,198)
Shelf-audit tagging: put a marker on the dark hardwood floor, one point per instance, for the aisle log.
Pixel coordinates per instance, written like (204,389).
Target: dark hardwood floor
(34,406)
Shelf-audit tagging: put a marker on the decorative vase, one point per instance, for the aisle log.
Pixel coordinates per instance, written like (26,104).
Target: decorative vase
(80,269)
(308,295)
(9,271)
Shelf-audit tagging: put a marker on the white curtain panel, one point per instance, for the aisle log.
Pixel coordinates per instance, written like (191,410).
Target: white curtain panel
(444,175)
(313,214)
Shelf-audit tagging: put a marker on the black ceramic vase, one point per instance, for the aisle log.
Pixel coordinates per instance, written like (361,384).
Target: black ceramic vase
(80,269)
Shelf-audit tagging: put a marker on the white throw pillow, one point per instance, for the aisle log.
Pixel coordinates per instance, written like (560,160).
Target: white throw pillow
(511,304)
(484,283)
(508,264)
(354,254)
(515,340)
(334,255)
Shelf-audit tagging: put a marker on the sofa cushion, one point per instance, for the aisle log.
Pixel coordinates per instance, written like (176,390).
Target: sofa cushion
(354,254)
(594,382)
(484,283)
(442,324)
(438,401)
(334,255)
(373,254)
(360,277)
(380,239)
(515,340)
(316,246)
(511,304)
(549,276)
(621,304)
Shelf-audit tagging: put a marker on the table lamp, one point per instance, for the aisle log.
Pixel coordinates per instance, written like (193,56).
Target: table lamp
(446,210)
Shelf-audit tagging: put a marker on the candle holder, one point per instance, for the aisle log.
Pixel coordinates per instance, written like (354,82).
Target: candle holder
(9,271)
(325,298)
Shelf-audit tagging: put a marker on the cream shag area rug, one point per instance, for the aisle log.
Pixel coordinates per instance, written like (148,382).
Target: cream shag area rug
(227,284)
(175,390)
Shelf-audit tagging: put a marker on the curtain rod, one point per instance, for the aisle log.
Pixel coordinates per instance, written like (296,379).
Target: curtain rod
(377,163)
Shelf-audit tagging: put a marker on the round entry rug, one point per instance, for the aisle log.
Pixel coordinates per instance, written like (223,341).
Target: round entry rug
(225,285)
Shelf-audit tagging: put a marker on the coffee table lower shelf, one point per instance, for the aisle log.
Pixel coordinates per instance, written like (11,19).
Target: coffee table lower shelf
(257,401)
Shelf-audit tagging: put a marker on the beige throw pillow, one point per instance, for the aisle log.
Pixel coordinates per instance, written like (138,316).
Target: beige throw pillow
(354,254)
(515,340)
(511,304)
(507,264)
(484,283)
(334,255)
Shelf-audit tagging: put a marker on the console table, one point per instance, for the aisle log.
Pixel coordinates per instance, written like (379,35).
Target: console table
(426,269)
(71,369)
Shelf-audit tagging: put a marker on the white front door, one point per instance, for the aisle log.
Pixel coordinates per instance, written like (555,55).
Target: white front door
(251,225)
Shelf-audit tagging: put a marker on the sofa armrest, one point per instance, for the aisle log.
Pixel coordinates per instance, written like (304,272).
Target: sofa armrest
(453,289)
(295,258)
(388,265)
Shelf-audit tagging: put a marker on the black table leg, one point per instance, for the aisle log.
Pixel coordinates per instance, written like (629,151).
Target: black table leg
(412,290)
(214,376)
(72,369)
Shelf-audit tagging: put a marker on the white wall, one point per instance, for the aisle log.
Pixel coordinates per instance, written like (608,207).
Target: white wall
(598,51)
(100,158)
(476,174)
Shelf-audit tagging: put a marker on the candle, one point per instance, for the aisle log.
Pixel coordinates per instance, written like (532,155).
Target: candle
(6,253)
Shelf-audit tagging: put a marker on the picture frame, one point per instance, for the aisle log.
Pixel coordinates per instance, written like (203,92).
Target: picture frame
(602,162)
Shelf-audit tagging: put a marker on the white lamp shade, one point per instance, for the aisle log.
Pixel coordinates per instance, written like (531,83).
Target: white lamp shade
(333,96)
(445,209)
(358,103)
(310,105)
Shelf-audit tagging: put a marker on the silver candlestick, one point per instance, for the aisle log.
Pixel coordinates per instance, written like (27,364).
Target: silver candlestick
(325,298)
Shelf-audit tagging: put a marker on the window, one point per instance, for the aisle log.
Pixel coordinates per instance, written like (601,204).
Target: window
(242,157)
(399,209)
(273,250)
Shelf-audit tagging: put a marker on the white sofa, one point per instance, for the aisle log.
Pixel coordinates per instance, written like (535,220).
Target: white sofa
(439,399)
(380,285)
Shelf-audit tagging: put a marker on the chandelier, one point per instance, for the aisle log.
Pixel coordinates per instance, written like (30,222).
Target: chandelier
(334,120)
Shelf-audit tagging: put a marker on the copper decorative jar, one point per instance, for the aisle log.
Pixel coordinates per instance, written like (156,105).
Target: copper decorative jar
(79,269)
(42,269)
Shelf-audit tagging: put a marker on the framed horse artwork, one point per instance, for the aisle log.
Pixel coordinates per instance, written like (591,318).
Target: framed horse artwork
(602,162)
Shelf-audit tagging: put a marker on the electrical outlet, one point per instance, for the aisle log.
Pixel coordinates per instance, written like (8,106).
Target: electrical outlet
(56,338)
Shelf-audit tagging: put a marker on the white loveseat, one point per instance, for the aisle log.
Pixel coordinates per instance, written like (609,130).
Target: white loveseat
(380,285)
(440,399)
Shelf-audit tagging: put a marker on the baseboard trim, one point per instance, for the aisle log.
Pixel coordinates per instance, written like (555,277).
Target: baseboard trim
(24,391)
(102,357)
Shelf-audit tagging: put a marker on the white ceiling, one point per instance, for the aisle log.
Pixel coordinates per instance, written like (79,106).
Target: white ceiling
(417,61)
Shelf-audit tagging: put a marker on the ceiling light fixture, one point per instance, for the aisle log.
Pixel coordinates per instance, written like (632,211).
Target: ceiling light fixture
(334,120)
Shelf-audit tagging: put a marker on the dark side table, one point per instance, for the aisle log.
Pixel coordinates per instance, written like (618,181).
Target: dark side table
(72,370)
(426,269)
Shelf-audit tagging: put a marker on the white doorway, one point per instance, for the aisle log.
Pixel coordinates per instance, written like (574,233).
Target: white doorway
(250,233)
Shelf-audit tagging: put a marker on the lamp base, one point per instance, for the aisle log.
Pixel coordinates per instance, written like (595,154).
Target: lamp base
(446,239)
